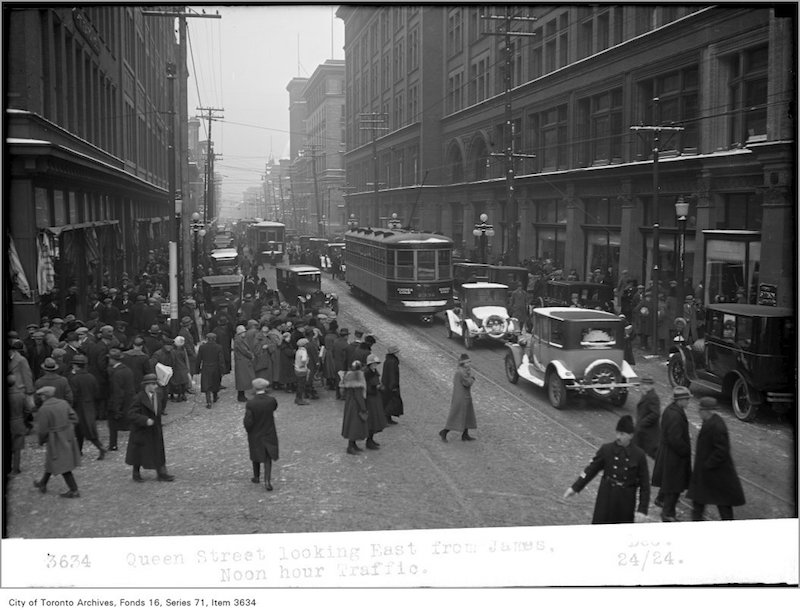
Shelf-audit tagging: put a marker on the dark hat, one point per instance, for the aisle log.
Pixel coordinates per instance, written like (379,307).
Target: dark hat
(211,336)
(121,323)
(647,380)
(140,297)
(359,333)
(57,321)
(114,353)
(49,364)
(343,331)
(681,392)
(80,359)
(708,403)
(149,378)
(155,329)
(369,340)
(464,358)
(17,344)
(392,349)
(186,320)
(625,424)
(32,326)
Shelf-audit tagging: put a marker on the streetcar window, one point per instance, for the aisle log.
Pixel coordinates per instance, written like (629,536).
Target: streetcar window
(445,266)
(405,264)
(426,265)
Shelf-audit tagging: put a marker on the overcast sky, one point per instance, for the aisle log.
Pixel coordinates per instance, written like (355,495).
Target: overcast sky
(242,64)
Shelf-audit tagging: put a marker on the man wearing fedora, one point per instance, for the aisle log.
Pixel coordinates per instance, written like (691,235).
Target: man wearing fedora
(390,380)
(121,391)
(340,357)
(673,467)
(714,478)
(50,376)
(462,410)
(262,436)
(648,414)
(55,426)
(625,471)
(84,391)
(146,440)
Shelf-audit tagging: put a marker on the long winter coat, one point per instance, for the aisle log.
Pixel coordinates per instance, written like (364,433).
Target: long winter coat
(624,471)
(84,392)
(354,417)
(59,382)
(376,416)
(339,353)
(329,369)
(121,391)
(275,340)
(714,478)
(648,413)
(55,425)
(390,379)
(19,367)
(287,353)
(262,359)
(17,411)
(210,366)
(462,411)
(259,422)
(673,466)
(243,370)
(139,364)
(225,341)
(145,443)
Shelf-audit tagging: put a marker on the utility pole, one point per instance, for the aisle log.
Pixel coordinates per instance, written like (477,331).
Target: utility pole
(505,22)
(208,209)
(177,71)
(656,131)
(266,192)
(283,203)
(313,151)
(374,121)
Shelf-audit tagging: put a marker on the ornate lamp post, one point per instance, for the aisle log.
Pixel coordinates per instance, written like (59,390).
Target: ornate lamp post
(198,228)
(682,212)
(394,222)
(483,231)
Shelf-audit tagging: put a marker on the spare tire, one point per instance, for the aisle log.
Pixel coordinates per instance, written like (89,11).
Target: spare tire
(495,326)
(603,372)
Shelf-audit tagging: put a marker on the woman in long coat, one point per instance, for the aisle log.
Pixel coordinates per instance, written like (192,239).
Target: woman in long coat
(355,414)
(210,364)
(181,380)
(714,478)
(243,371)
(262,436)
(462,411)
(376,418)
(262,358)
(287,352)
(55,425)
(275,338)
(390,379)
(329,371)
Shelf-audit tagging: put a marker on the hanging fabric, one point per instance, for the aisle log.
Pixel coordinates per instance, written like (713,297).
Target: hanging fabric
(17,272)
(45,270)
(92,246)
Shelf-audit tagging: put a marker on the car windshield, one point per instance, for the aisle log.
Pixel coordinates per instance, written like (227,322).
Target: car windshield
(487,296)
(595,336)
(308,283)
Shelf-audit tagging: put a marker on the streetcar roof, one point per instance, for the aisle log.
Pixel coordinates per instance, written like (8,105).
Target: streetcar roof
(267,224)
(578,314)
(398,236)
(475,285)
(224,253)
(223,280)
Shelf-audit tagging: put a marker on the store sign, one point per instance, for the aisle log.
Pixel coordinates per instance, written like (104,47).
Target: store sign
(768,295)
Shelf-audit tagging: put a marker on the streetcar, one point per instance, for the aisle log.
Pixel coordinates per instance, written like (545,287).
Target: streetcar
(266,241)
(405,271)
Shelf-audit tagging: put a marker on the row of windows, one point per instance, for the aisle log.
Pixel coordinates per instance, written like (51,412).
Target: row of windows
(420,265)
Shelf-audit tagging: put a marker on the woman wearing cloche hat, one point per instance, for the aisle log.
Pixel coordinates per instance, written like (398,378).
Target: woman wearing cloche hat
(376,418)
(462,411)
(390,379)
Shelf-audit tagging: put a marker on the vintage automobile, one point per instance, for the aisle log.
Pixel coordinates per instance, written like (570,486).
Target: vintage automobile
(482,314)
(221,290)
(573,351)
(224,261)
(510,276)
(559,293)
(466,271)
(748,353)
(301,285)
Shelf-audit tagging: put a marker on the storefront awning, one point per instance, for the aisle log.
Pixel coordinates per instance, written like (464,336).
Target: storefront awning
(81,225)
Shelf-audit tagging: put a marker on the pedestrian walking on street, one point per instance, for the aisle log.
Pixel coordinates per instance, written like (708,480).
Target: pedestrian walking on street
(210,364)
(243,370)
(714,478)
(462,411)
(390,380)
(17,408)
(50,376)
(55,425)
(329,371)
(340,358)
(262,436)
(181,380)
(376,417)
(121,389)
(146,440)
(355,415)
(625,471)
(84,394)
(673,467)
(287,353)
(301,371)
(648,414)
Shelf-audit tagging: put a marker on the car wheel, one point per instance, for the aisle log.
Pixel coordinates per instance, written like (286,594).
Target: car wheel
(619,398)
(603,373)
(556,390)
(676,371)
(467,338)
(511,368)
(743,406)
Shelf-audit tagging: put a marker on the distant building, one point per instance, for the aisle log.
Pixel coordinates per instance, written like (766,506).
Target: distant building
(724,73)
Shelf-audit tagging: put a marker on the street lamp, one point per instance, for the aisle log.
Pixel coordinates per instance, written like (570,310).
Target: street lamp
(483,231)
(352,222)
(198,228)
(681,211)
(394,222)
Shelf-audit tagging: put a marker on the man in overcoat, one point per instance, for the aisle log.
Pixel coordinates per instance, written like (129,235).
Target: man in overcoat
(121,391)
(625,471)
(648,414)
(462,411)
(243,371)
(340,357)
(262,436)
(84,391)
(55,426)
(146,440)
(714,478)
(673,467)
(210,365)
(390,380)
(50,376)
